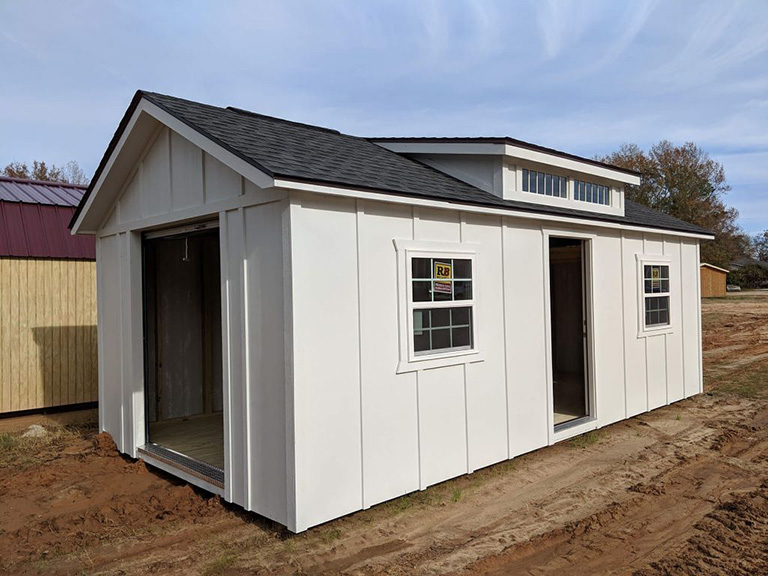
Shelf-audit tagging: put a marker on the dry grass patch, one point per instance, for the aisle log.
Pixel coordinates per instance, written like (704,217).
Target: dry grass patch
(19,452)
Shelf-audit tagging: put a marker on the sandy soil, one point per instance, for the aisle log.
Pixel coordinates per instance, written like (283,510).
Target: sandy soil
(681,490)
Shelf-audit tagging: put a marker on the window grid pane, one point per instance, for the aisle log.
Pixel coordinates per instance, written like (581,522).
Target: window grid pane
(441,279)
(591,192)
(655,279)
(441,329)
(545,184)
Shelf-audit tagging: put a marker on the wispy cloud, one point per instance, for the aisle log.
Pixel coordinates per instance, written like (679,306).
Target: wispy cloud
(580,76)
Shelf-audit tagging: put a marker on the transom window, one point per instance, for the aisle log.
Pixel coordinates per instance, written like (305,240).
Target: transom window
(590,192)
(546,184)
(656,294)
(442,305)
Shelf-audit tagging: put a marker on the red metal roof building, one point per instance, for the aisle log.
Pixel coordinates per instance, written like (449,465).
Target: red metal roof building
(34,217)
(48,352)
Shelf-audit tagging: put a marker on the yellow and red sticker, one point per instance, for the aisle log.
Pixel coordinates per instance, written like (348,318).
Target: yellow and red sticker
(443,271)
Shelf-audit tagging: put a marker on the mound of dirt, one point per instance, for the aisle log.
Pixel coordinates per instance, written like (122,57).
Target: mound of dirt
(105,445)
(81,501)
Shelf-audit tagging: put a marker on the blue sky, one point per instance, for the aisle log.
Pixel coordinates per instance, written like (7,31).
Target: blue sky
(581,76)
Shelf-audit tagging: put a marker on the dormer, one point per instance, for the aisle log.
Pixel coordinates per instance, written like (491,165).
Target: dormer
(516,170)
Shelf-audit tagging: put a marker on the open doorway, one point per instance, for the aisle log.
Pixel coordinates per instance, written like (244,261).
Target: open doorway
(569,330)
(183,380)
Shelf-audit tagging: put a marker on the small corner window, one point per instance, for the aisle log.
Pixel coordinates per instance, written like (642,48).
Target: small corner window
(656,295)
(441,304)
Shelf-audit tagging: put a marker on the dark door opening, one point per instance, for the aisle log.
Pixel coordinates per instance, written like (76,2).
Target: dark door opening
(182,311)
(569,330)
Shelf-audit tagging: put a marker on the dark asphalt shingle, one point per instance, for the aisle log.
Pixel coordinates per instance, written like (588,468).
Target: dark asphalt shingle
(306,153)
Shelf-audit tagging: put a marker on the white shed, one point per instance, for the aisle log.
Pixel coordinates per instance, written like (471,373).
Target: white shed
(310,323)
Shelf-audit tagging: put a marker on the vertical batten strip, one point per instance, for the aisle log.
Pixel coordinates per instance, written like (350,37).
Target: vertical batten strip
(288,346)
(462,237)
(422,481)
(226,354)
(624,327)
(667,343)
(697,267)
(358,218)
(502,228)
(245,359)
(682,313)
(545,297)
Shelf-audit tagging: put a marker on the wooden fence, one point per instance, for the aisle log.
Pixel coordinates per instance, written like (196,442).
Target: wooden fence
(47,333)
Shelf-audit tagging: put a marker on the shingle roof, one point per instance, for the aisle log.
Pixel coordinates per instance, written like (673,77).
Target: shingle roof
(38,192)
(305,153)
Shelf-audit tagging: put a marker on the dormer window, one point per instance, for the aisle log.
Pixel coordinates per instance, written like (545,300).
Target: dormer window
(590,192)
(545,184)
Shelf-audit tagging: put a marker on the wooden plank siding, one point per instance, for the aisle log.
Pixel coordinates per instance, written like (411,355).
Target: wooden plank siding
(713,282)
(48,351)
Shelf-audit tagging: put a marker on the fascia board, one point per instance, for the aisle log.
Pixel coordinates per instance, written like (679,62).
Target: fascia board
(259,178)
(458,148)
(512,151)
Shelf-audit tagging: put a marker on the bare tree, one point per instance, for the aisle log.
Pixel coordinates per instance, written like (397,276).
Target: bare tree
(70,173)
(683,181)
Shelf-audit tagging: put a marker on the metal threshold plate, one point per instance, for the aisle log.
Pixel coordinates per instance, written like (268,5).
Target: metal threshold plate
(196,468)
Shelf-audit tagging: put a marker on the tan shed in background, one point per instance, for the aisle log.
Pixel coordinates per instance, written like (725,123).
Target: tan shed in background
(713,281)
(48,334)
(48,306)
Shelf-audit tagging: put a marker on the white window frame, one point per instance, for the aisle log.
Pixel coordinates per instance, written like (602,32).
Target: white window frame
(410,361)
(643,260)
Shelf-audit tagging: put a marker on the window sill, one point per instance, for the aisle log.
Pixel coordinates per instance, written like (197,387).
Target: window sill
(431,362)
(646,332)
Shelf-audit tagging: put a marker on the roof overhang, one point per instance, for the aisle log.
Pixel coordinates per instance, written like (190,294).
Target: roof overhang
(713,267)
(140,123)
(291,184)
(512,149)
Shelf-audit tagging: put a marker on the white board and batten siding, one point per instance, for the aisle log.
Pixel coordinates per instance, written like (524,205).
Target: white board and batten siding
(318,419)
(174,182)
(365,433)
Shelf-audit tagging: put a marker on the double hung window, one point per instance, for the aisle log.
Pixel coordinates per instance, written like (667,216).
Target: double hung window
(442,303)
(438,304)
(656,294)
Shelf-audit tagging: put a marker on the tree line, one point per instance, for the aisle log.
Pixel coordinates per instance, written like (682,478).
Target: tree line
(69,173)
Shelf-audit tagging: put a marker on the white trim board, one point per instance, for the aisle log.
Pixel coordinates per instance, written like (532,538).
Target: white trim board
(446,205)
(245,169)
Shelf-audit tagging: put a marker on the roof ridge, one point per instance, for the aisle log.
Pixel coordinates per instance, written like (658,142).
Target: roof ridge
(41,182)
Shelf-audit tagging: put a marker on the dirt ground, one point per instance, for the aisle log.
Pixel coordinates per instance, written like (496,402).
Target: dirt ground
(681,490)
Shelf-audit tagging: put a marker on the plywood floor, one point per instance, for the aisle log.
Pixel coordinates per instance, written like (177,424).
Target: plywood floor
(568,398)
(199,437)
